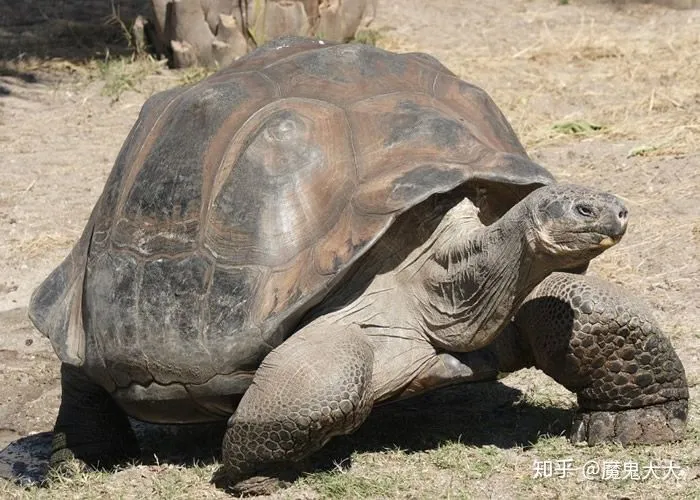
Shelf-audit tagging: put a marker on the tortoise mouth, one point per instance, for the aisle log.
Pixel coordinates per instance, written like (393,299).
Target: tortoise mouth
(585,241)
(608,241)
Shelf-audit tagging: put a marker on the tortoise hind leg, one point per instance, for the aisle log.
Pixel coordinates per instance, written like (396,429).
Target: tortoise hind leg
(602,344)
(314,386)
(90,427)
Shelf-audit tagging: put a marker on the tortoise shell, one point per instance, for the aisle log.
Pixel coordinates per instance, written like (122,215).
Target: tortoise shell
(238,203)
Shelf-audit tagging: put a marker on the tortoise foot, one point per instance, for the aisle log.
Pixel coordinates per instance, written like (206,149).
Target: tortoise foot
(655,424)
(265,482)
(64,464)
(259,485)
(91,429)
(90,456)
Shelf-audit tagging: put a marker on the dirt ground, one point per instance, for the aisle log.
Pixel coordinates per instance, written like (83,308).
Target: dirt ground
(602,93)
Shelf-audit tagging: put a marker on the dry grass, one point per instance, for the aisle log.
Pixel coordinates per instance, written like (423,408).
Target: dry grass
(639,85)
(38,245)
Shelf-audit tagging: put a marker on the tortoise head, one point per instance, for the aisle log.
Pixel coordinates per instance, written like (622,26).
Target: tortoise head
(574,223)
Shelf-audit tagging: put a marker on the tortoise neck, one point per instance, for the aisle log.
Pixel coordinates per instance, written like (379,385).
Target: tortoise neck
(475,279)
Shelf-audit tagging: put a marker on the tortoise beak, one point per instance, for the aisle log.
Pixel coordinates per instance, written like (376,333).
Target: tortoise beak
(609,241)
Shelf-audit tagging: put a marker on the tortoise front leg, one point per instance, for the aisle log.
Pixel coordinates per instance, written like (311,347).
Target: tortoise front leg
(314,386)
(90,427)
(602,344)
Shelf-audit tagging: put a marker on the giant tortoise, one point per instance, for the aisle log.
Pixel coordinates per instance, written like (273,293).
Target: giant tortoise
(319,228)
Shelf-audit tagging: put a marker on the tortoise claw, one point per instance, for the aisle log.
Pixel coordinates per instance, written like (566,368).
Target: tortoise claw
(265,482)
(259,485)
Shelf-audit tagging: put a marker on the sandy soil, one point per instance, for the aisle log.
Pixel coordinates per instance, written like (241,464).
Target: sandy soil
(632,69)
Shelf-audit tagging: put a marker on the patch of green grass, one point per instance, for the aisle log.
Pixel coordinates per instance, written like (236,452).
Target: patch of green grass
(641,151)
(448,456)
(552,447)
(121,74)
(537,397)
(342,484)
(368,37)
(133,481)
(194,74)
(179,481)
(576,127)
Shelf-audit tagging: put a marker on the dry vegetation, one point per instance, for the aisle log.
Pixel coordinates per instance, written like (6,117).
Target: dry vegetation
(602,93)
(632,71)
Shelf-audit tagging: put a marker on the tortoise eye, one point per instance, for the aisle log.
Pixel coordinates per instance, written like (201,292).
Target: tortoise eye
(585,210)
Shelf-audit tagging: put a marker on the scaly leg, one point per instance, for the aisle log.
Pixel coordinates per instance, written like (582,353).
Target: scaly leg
(90,426)
(602,344)
(314,386)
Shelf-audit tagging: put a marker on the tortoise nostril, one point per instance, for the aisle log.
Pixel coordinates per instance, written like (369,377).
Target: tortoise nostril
(622,221)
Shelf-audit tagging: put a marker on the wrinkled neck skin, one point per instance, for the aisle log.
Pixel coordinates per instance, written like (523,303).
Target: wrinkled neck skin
(468,280)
